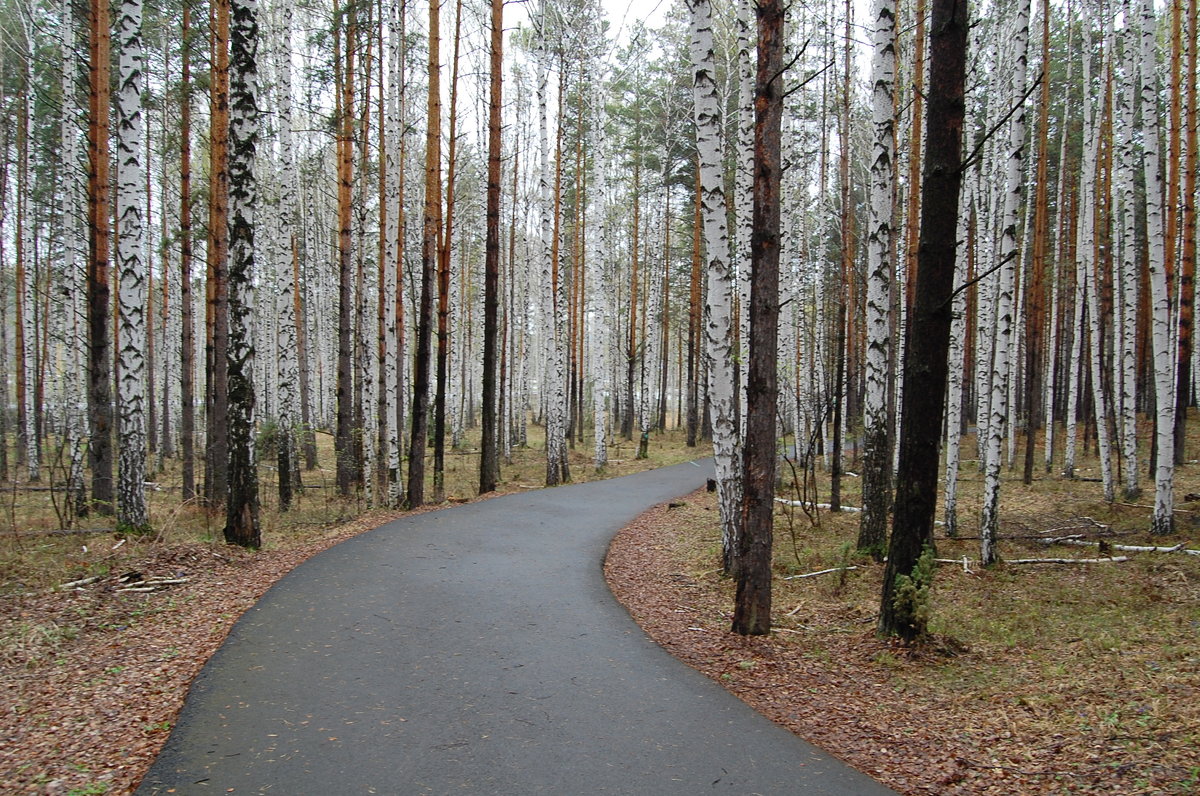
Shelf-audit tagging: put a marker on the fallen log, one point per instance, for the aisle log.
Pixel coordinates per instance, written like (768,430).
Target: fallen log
(806,504)
(1129,548)
(964,561)
(818,572)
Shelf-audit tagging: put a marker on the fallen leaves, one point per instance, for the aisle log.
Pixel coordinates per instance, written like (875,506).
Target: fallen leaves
(831,681)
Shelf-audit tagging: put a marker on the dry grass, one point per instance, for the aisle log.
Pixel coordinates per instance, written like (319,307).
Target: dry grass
(1038,678)
(35,555)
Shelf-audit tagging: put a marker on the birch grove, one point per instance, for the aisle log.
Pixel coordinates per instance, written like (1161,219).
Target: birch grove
(581,218)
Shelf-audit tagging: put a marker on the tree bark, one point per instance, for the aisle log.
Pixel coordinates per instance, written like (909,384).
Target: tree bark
(877,471)
(489,464)
(100,413)
(242,511)
(216,478)
(752,606)
(431,224)
(719,278)
(132,209)
(345,450)
(187,350)
(928,340)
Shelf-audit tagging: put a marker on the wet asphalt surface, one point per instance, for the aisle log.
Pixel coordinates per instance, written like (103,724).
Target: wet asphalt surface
(476,650)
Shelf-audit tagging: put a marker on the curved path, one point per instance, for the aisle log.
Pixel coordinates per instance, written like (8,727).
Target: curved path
(475,650)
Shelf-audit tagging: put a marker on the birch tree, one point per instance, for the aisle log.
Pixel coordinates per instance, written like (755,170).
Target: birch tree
(288,363)
(718,327)
(1127,281)
(1160,324)
(242,510)
(872,533)
(132,270)
(1009,257)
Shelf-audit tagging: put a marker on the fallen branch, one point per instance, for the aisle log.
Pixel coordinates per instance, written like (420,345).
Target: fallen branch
(1113,560)
(75,584)
(805,504)
(1129,548)
(1144,506)
(819,572)
(964,561)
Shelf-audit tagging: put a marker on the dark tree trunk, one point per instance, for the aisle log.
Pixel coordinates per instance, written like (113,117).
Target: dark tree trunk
(100,410)
(431,225)
(928,342)
(694,311)
(187,364)
(752,607)
(489,465)
(443,285)
(216,452)
(1183,391)
(345,449)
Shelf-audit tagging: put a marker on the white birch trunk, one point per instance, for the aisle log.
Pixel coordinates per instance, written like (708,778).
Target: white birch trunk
(719,277)
(876,482)
(601,290)
(1160,299)
(392,257)
(1087,254)
(72,209)
(1009,259)
(744,200)
(957,373)
(132,270)
(549,332)
(1126,280)
(288,216)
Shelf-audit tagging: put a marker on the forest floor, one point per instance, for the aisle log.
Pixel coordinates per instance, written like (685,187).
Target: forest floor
(101,635)
(1039,679)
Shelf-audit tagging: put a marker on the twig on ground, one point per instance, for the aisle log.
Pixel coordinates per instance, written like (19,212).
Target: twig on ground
(819,572)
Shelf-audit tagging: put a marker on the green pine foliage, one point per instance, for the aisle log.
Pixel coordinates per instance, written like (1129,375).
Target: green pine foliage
(911,598)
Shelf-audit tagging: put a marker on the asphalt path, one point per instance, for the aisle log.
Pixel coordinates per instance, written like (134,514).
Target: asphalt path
(476,649)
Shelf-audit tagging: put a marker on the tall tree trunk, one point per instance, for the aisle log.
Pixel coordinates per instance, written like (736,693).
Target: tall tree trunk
(928,341)
(187,350)
(1164,363)
(242,513)
(877,471)
(443,282)
(76,271)
(752,605)
(719,282)
(1010,254)
(26,301)
(1126,287)
(100,413)
(286,329)
(1036,290)
(216,478)
(693,330)
(132,271)
(489,465)
(393,223)
(431,224)
(1188,267)
(346,452)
